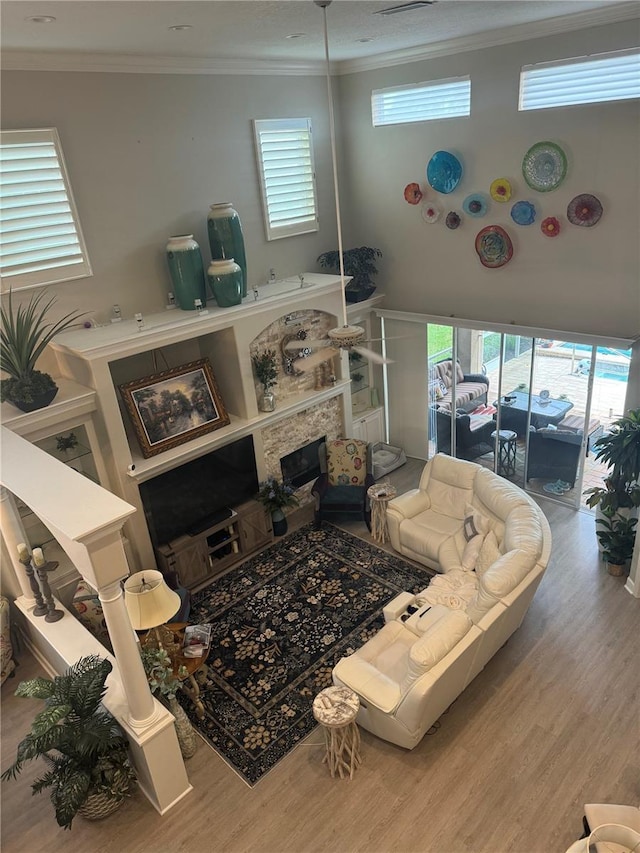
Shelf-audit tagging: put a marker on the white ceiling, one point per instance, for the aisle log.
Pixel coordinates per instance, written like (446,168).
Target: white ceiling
(257,29)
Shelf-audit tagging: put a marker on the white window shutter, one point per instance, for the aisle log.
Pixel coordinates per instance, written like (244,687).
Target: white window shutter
(436,99)
(284,148)
(42,241)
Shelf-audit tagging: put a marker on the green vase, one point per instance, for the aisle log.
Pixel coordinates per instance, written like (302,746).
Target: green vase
(186,270)
(225,237)
(225,282)
(279,522)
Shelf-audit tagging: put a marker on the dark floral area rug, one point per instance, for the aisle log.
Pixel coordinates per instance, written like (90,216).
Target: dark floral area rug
(280,622)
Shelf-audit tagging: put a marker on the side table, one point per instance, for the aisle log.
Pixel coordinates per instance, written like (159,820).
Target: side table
(192,665)
(380,495)
(507,440)
(336,708)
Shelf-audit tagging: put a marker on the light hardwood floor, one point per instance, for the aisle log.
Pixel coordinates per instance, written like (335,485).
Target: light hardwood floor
(551,723)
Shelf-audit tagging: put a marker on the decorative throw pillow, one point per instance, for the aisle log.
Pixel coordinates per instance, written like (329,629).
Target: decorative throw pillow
(443,389)
(346,462)
(471,551)
(489,553)
(475,523)
(459,373)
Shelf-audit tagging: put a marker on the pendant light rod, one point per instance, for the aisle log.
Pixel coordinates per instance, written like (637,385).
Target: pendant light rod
(332,133)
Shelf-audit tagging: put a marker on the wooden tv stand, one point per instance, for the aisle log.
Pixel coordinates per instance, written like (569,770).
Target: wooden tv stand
(199,558)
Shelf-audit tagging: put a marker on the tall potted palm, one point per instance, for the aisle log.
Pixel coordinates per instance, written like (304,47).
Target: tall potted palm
(89,772)
(24,334)
(619,496)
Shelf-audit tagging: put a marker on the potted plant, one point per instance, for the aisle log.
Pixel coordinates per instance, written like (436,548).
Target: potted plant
(617,538)
(618,498)
(359,263)
(275,495)
(24,334)
(84,748)
(265,366)
(164,681)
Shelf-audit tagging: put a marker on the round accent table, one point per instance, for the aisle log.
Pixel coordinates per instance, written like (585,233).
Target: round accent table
(336,708)
(380,495)
(507,439)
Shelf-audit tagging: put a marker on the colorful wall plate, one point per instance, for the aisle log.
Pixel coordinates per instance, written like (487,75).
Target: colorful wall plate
(544,166)
(431,213)
(453,220)
(444,171)
(585,210)
(523,213)
(494,246)
(500,190)
(475,204)
(550,226)
(413,193)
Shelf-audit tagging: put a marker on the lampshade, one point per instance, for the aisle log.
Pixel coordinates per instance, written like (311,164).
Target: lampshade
(149,600)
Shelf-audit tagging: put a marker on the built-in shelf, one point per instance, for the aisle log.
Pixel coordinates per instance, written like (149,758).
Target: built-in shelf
(73,401)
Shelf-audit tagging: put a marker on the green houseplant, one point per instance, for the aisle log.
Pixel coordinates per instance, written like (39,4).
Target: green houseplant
(265,365)
(24,334)
(82,744)
(617,538)
(359,263)
(275,495)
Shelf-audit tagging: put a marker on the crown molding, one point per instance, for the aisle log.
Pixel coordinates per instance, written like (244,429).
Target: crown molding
(17,60)
(495,38)
(120,63)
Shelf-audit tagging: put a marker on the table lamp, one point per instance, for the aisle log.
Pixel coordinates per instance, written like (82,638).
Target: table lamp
(149,601)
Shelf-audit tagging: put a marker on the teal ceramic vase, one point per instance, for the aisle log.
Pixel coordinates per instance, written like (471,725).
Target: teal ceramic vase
(187,271)
(225,282)
(225,237)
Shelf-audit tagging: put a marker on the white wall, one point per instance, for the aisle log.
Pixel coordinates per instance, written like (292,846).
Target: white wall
(147,154)
(586,279)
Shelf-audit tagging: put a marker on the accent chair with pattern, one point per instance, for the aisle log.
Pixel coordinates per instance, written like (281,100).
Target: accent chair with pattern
(346,466)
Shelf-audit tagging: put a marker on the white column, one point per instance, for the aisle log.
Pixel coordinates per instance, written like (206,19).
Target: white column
(14,534)
(142,708)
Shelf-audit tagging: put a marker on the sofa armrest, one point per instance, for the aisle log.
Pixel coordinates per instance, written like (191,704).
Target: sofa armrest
(409,504)
(476,377)
(368,682)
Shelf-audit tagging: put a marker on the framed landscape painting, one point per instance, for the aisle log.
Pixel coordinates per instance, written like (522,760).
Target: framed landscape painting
(174,406)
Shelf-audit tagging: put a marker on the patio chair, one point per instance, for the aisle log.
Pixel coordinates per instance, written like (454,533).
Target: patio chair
(553,454)
(473,434)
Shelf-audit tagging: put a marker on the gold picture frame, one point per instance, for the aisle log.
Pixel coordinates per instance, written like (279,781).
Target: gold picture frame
(175,406)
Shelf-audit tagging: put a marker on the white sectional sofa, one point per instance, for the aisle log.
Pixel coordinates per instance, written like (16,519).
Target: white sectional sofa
(491,543)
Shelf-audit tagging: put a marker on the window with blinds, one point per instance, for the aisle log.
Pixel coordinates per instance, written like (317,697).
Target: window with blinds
(284,149)
(583,80)
(41,238)
(437,99)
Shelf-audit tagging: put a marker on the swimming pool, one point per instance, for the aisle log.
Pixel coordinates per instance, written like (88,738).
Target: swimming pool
(611,363)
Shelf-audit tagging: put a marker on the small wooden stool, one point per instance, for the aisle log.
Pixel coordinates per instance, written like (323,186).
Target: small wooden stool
(380,495)
(336,708)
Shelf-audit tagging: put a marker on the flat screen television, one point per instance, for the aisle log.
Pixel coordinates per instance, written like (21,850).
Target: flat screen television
(192,497)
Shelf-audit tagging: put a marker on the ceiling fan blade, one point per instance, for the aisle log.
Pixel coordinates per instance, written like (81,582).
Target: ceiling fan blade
(375,357)
(316,358)
(297,344)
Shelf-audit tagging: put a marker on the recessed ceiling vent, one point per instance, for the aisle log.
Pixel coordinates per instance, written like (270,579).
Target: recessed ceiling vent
(406,7)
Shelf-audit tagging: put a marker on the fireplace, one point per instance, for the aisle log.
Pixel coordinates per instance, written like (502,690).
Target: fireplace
(302,465)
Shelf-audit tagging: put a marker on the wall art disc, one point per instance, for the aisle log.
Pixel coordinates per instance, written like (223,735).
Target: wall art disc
(550,226)
(444,171)
(413,193)
(523,213)
(585,210)
(475,204)
(494,246)
(544,166)
(453,220)
(500,190)
(431,213)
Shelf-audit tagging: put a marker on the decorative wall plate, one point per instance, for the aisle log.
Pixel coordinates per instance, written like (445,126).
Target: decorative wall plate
(585,210)
(431,213)
(550,226)
(494,246)
(500,190)
(475,204)
(544,166)
(523,213)
(413,193)
(453,220)
(444,171)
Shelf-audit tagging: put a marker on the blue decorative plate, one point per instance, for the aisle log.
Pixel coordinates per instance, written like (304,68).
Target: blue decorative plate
(475,204)
(523,213)
(444,172)
(544,166)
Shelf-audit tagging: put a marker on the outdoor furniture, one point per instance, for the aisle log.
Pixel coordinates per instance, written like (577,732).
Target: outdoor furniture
(471,388)
(575,423)
(507,441)
(473,434)
(513,415)
(553,454)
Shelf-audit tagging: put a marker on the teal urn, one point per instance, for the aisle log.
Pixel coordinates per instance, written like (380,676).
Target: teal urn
(225,237)
(225,282)
(187,271)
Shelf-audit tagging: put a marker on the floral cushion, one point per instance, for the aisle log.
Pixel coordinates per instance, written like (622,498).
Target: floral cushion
(88,609)
(6,647)
(346,462)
